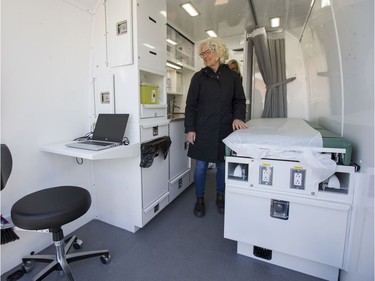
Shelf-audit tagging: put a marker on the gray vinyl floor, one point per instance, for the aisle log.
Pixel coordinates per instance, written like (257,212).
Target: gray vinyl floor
(174,246)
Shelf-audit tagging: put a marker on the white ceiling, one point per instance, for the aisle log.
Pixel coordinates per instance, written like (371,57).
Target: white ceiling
(230,20)
(233,19)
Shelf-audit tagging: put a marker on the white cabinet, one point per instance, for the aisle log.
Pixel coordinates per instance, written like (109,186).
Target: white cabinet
(152,53)
(119,32)
(183,52)
(129,48)
(179,162)
(304,230)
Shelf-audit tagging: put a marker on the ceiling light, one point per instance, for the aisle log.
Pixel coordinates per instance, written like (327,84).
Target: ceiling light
(211,33)
(175,66)
(170,41)
(220,2)
(188,7)
(325,3)
(275,22)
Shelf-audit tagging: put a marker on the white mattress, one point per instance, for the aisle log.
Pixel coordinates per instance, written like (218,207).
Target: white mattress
(286,139)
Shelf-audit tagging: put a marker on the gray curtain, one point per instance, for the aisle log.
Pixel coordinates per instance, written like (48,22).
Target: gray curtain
(270,54)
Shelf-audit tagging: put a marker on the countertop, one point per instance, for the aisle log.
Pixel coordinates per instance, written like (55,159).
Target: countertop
(177,116)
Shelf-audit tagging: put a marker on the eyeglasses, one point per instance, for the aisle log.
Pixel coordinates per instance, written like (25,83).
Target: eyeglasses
(205,53)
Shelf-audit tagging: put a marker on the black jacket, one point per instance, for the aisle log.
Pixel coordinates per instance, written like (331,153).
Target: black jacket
(214,100)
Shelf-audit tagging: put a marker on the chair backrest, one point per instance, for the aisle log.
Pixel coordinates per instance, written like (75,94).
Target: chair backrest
(6,164)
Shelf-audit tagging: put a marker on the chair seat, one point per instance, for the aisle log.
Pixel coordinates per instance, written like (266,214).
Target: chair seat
(50,208)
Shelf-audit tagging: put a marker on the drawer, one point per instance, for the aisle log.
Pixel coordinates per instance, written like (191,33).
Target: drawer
(178,185)
(153,131)
(153,110)
(313,229)
(152,210)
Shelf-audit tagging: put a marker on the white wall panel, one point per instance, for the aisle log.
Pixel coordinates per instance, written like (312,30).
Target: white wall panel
(355,26)
(297,91)
(45,86)
(321,55)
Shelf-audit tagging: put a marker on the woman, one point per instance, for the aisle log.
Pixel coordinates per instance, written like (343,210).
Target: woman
(233,65)
(215,107)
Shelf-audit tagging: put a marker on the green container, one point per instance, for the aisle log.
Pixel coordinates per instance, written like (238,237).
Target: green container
(149,94)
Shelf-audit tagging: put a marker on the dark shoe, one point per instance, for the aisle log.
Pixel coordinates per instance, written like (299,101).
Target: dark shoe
(199,207)
(220,202)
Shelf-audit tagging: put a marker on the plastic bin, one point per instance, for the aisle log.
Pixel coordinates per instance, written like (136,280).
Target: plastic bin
(149,94)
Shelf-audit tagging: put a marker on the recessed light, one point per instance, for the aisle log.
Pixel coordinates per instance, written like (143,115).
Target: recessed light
(211,33)
(220,2)
(189,8)
(325,3)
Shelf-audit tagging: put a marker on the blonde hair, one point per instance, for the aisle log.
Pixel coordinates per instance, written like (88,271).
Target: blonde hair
(217,45)
(235,63)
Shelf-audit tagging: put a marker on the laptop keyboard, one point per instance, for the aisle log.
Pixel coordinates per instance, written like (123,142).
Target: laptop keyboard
(96,143)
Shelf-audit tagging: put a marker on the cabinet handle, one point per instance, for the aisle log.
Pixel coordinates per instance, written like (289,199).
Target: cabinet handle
(151,19)
(153,53)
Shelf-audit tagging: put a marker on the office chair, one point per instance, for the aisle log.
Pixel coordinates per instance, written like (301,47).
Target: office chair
(50,209)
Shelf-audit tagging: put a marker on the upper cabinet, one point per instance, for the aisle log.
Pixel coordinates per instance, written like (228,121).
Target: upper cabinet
(151,24)
(119,30)
(180,50)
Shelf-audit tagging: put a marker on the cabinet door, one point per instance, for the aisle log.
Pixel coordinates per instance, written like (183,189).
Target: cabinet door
(154,180)
(119,30)
(179,161)
(152,35)
(313,229)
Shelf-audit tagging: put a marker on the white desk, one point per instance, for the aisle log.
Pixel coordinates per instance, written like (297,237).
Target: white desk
(117,192)
(122,151)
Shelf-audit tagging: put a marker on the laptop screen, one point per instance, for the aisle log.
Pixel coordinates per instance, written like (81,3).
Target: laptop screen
(110,127)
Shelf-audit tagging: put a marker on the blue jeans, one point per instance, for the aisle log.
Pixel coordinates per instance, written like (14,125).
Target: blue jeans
(200,177)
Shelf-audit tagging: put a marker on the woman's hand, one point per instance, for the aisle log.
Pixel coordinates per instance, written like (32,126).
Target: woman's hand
(191,137)
(238,124)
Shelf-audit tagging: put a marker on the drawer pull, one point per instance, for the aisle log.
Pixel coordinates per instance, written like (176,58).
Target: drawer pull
(153,53)
(151,19)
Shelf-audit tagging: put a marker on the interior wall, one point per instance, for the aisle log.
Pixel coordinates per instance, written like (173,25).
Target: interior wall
(45,56)
(355,28)
(338,47)
(322,58)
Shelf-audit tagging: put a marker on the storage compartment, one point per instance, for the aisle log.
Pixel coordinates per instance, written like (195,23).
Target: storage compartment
(152,35)
(340,185)
(152,95)
(119,31)
(154,180)
(152,111)
(179,161)
(153,130)
(312,229)
(152,210)
(178,185)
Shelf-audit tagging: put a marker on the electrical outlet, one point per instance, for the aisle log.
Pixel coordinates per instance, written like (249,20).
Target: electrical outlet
(297,178)
(265,175)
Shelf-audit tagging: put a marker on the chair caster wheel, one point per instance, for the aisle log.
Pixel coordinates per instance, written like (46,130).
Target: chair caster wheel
(77,244)
(105,259)
(27,266)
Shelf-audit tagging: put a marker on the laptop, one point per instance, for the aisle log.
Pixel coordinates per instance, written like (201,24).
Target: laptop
(109,131)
